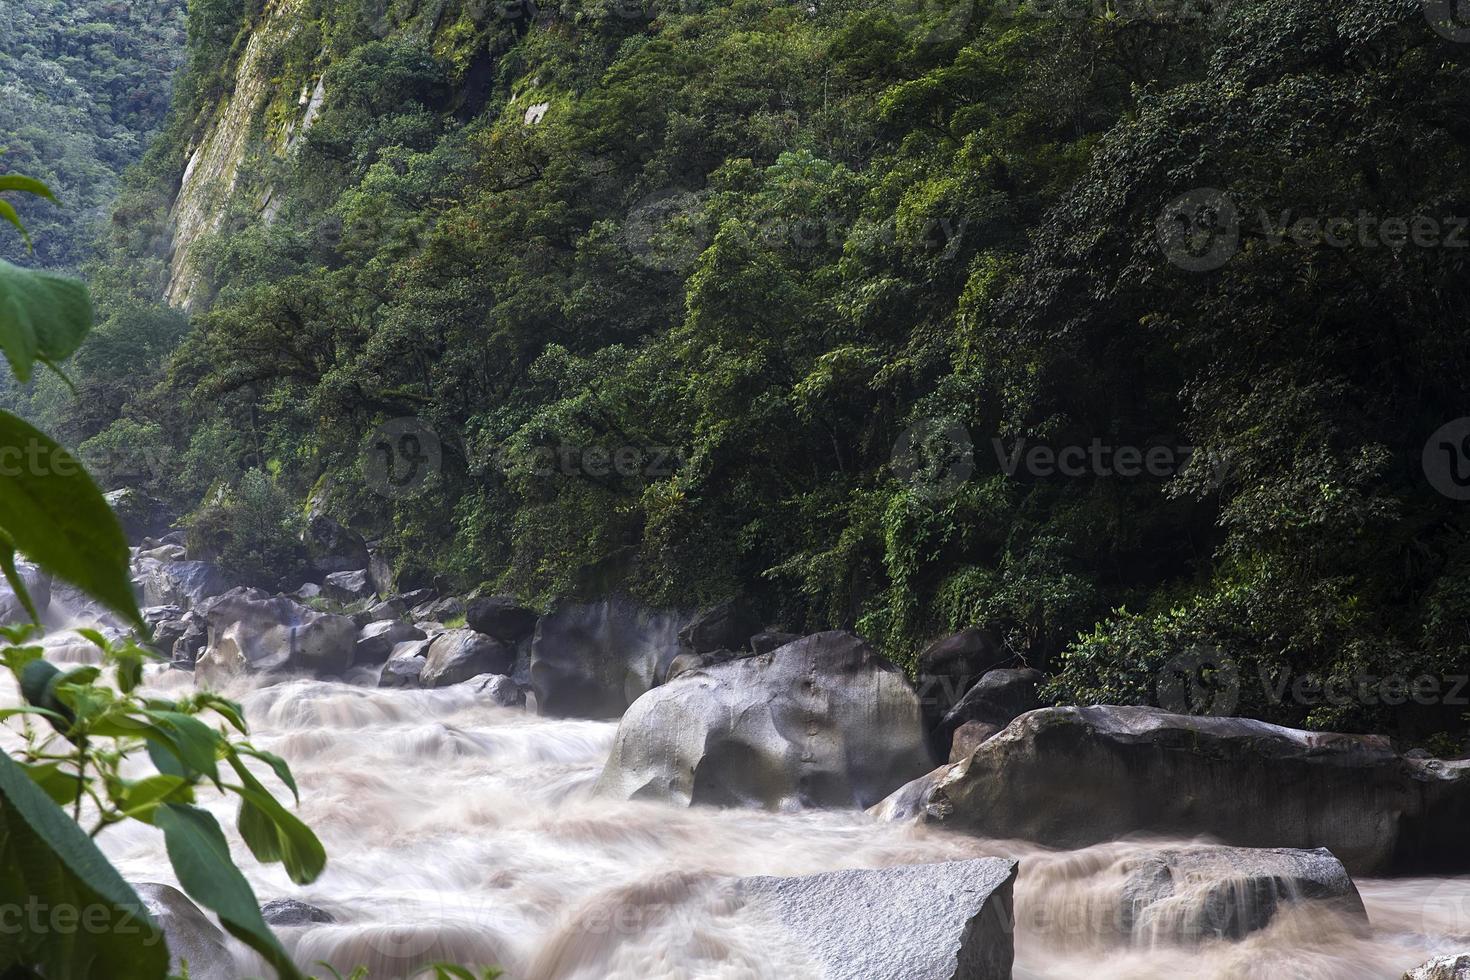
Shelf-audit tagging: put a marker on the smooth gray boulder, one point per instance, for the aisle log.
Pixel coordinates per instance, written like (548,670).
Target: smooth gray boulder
(594,660)
(823,721)
(1453,967)
(180,583)
(969,736)
(438,610)
(726,626)
(497,689)
(948,921)
(404,665)
(252,633)
(1194,894)
(194,941)
(460,654)
(376,641)
(1072,777)
(501,617)
(348,587)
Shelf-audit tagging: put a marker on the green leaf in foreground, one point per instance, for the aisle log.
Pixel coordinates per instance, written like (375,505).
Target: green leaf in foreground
(43,317)
(44,856)
(201,859)
(55,515)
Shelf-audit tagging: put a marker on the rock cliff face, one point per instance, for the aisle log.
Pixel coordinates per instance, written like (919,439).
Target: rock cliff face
(240,132)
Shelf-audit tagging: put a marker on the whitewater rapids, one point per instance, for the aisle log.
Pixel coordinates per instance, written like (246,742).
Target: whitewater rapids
(465,832)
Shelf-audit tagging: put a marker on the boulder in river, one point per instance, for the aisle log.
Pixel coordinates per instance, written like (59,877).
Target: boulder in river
(501,617)
(404,665)
(460,654)
(1072,777)
(376,641)
(348,587)
(998,698)
(968,737)
(1453,967)
(946,921)
(594,660)
(193,940)
(289,912)
(823,721)
(180,583)
(1187,895)
(256,633)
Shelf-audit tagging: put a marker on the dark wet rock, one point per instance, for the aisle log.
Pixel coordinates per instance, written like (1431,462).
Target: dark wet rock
(289,912)
(950,666)
(947,921)
(766,641)
(438,610)
(1072,777)
(726,626)
(501,617)
(460,654)
(823,721)
(417,597)
(697,661)
(592,660)
(140,515)
(376,641)
(498,689)
(252,633)
(332,547)
(387,609)
(192,938)
(998,698)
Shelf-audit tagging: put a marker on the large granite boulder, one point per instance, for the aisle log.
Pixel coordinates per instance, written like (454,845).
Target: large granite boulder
(593,660)
(405,665)
(376,641)
(998,698)
(1194,894)
(1453,967)
(1072,777)
(251,632)
(140,515)
(332,547)
(501,617)
(180,583)
(195,943)
(823,721)
(951,665)
(348,587)
(290,912)
(946,921)
(457,655)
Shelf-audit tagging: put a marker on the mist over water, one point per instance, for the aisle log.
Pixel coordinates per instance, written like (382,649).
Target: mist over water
(466,832)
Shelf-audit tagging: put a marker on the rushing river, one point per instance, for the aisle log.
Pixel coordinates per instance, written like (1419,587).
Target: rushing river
(465,832)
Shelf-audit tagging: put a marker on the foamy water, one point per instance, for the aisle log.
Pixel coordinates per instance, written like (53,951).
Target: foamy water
(461,831)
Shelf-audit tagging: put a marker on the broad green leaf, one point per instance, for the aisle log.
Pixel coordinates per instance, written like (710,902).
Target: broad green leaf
(201,859)
(277,764)
(271,829)
(45,856)
(29,185)
(43,317)
(139,797)
(54,514)
(38,680)
(7,211)
(194,742)
(59,784)
(227,709)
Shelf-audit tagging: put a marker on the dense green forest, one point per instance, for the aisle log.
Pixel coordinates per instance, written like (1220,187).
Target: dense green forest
(85,87)
(806,302)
